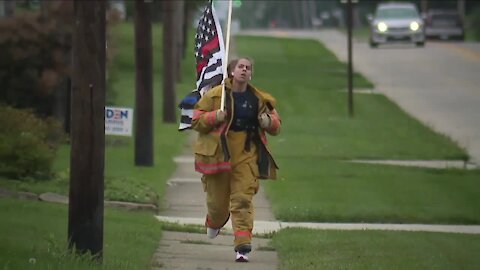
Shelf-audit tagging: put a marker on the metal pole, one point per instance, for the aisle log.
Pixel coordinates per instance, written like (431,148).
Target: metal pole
(350,69)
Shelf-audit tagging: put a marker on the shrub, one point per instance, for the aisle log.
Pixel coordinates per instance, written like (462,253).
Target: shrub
(28,144)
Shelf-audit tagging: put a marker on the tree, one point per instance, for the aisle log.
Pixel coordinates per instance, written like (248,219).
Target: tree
(85,217)
(144,82)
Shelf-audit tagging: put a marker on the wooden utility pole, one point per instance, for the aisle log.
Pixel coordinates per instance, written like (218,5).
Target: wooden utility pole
(169,61)
(144,85)
(85,217)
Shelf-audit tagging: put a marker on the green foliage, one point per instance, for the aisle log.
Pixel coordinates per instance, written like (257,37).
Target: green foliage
(27,144)
(33,59)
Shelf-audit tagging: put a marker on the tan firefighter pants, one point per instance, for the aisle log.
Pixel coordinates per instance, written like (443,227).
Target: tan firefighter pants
(231,193)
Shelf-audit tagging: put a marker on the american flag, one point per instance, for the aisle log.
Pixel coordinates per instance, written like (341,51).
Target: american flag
(209,55)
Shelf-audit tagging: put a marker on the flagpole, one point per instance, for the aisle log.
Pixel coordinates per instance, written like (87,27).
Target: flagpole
(227,49)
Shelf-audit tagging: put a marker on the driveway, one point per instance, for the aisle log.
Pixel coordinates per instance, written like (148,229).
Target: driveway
(438,84)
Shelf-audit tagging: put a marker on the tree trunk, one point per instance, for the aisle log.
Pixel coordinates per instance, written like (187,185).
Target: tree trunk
(85,219)
(144,82)
(169,58)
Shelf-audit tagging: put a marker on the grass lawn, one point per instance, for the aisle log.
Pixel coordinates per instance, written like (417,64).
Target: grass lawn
(310,249)
(34,236)
(318,136)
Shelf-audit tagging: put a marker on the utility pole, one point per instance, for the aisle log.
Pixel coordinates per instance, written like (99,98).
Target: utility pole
(349,8)
(144,85)
(85,217)
(169,61)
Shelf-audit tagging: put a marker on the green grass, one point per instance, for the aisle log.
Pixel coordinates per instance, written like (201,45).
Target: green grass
(34,236)
(317,135)
(313,249)
(306,78)
(342,192)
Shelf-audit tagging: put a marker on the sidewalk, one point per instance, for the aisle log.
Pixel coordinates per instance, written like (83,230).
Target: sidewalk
(184,201)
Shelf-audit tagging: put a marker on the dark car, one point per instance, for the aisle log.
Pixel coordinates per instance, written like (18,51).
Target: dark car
(444,24)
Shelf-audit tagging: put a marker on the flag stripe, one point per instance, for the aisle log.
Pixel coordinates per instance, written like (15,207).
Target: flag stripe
(210,64)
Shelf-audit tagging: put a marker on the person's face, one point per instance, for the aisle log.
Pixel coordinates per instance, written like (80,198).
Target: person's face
(243,71)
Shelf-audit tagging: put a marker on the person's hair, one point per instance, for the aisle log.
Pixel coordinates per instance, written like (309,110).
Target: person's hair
(233,63)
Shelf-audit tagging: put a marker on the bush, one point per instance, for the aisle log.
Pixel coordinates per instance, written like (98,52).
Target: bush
(28,144)
(34,55)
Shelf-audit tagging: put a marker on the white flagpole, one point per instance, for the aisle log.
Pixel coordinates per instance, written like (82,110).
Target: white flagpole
(227,49)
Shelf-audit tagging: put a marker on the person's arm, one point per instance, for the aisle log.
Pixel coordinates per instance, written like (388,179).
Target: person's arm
(270,122)
(205,118)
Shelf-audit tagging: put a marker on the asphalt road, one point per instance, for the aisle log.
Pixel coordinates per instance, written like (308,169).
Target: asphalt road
(438,84)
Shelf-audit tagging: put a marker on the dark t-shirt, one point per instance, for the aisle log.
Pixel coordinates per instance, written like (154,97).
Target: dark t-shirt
(245,106)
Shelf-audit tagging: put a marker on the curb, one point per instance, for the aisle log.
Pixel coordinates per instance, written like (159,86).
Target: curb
(58,198)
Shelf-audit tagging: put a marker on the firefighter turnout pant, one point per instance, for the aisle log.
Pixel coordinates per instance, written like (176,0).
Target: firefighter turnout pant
(230,194)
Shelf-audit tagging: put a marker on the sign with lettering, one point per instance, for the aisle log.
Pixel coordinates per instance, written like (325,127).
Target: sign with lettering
(118,121)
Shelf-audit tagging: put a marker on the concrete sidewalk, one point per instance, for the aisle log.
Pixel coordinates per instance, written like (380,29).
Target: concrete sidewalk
(184,201)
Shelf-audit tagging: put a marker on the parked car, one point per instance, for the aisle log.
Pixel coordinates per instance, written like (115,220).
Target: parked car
(396,22)
(444,24)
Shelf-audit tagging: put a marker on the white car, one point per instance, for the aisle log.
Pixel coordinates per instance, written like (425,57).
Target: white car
(396,22)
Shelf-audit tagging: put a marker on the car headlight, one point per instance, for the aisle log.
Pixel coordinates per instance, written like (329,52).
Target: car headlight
(382,27)
(414,26)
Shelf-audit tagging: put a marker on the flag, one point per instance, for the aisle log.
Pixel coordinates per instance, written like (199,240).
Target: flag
(209,54)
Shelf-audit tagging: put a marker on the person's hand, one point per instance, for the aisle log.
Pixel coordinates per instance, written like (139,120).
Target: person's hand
(221,116)
(264,121)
